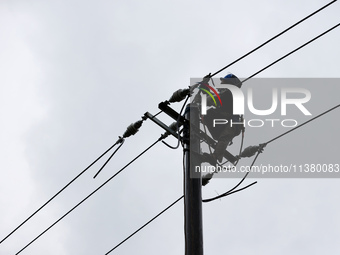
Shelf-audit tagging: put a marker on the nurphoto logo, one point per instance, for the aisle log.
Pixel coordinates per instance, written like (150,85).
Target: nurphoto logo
(228,96)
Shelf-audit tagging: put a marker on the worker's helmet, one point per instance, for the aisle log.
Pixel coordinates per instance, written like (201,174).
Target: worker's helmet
(231,79)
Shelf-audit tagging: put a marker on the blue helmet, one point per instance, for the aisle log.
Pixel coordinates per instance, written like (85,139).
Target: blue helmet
(231,79)
(229,76)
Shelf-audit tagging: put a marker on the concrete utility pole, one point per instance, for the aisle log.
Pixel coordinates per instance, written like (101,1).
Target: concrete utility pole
(192,185)
(192,181)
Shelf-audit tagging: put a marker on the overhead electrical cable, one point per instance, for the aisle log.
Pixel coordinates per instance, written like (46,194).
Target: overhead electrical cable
(158,113)
(250,52)
(161,138)
(107,161)
(210,175)
(131,130)
(274,37)
(159,214)
(93,192)
(302,124)
(231,191)
(298,48)
(61,190)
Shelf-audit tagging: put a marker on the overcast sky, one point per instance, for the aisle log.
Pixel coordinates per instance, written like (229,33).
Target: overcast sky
(75,74)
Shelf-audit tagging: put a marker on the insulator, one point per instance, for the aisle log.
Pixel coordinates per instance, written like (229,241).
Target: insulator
(179,95)
(206,178)
(133,128)
(249,151)
(173,126)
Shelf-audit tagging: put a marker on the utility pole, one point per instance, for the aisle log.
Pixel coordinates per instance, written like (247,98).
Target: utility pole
(193,228)
(192,184)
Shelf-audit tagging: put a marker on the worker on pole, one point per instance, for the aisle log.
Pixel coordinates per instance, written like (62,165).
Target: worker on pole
(223,134)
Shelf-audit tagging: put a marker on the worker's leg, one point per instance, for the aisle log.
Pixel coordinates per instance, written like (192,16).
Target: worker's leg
(225,137)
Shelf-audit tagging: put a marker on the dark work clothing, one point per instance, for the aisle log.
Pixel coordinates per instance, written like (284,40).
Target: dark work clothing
(223,133)
(227,102)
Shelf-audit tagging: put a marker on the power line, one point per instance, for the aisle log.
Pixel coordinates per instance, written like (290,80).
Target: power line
(315,38)
(276,36)
(211,76)
(318,116)
(273,63)
(131,130)
(260,46)
(298,48)
(107,161)
(61,190)
(159,214)
(93,192)
(231,191)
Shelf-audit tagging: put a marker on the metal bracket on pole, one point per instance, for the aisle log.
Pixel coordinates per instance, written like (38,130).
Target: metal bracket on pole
(164,106)
(161,124)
